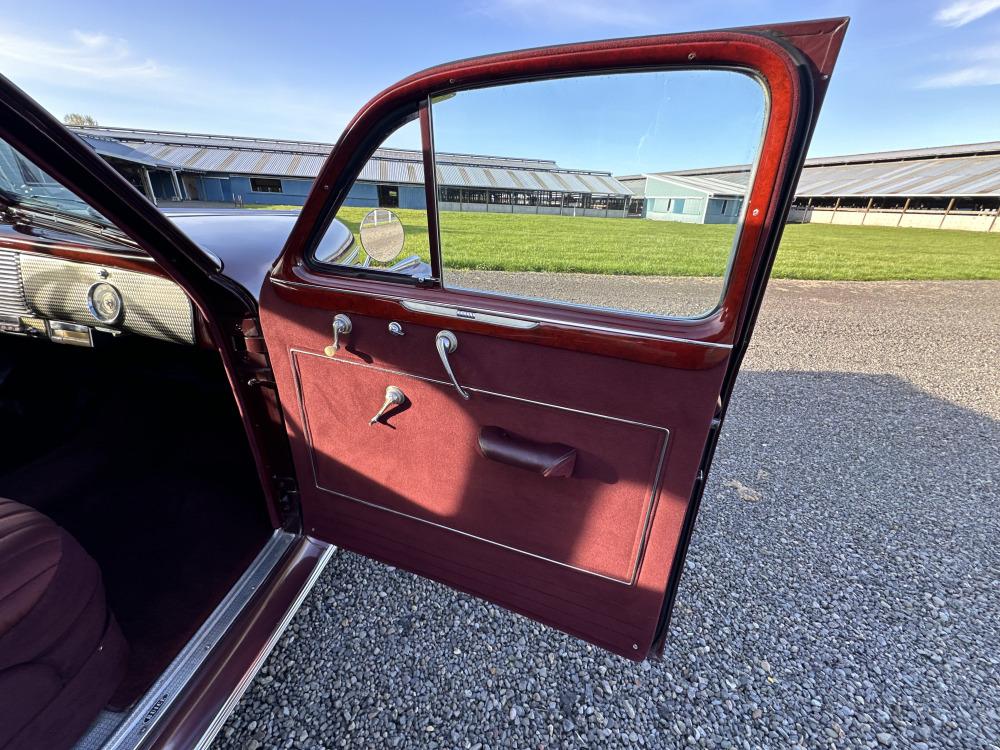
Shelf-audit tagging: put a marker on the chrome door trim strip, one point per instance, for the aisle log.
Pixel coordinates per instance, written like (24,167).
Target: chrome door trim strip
(248,678)
(466,313)
(149,709)
(650,504)
(536,320)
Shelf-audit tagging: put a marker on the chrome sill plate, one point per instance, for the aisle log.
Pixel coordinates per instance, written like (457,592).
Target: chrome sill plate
(158,699)
(247,679)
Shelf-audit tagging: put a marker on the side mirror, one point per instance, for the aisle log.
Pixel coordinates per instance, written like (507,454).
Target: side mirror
(381,235)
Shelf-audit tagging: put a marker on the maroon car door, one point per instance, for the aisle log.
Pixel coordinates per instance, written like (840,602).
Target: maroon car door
(544,455)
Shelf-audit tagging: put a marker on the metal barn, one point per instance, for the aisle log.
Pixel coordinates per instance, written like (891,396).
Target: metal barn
(170,166)
(948,187)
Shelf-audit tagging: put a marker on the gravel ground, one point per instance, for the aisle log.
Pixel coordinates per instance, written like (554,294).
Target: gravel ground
(842,588)
(664,295)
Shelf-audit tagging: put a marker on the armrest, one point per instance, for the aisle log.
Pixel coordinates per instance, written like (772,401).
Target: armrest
(547,459)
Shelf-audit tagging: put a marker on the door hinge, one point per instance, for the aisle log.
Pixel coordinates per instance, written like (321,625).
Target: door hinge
(249,338)
(254,345)
(262,378)
(288,494)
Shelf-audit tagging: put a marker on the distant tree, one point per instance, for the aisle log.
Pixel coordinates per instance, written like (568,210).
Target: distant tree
(76,119)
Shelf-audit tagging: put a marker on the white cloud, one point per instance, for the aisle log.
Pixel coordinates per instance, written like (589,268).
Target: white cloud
(88,56)
(981,68)
(622,13)
(102,75)
(961,12)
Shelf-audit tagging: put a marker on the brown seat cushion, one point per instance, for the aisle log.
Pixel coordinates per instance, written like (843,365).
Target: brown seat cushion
(61,653)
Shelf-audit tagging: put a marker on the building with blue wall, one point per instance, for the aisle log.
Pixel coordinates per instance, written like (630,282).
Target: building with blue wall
(690,199)
(190,167)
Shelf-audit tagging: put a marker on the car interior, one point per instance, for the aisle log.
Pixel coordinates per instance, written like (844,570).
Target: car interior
(100,457)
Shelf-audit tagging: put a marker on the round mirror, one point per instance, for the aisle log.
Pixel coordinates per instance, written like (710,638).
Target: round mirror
(381,235)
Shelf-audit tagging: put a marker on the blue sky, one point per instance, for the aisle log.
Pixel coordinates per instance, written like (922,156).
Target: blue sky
(625,124)
(911,73)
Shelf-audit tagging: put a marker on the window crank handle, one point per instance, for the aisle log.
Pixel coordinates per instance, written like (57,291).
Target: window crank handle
(393,397)
(446,343)
(341,327)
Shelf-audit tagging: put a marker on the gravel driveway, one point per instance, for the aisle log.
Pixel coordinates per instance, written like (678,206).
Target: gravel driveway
(842,588)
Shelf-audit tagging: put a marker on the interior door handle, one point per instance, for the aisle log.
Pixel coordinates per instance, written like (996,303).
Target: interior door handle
(446,343)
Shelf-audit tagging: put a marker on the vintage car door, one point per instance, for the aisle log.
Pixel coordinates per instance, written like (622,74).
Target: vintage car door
(545,455)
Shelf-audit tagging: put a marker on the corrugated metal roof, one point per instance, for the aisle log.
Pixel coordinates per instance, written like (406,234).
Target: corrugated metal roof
(966,169)
(988,148)
(636,183)
(118,150)
(966,176)
(961,170)
(261,156)
(955,176)
(204,139)
(732,184)
(473,159)
(463,175)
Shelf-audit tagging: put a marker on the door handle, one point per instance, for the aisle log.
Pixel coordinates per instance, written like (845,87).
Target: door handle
(446,343)
(341,327)
(393,397)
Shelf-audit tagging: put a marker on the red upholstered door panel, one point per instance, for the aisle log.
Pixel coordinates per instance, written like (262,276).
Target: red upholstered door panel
(422,462)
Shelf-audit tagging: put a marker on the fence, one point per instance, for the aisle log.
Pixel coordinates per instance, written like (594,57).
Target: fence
(972,221)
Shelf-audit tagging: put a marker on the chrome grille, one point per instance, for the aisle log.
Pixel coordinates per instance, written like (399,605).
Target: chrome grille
(57,289)
(12,303)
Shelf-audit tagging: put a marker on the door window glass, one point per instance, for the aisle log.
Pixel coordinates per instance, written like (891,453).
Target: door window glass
(623,191)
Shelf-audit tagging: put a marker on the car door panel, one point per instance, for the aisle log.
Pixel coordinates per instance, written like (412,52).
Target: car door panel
(453,510)
(640,399)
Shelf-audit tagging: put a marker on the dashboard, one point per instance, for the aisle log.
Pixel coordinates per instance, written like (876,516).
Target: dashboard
(74,301)
(76,290)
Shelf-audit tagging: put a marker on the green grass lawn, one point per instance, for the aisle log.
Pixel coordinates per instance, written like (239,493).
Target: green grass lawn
(526,242)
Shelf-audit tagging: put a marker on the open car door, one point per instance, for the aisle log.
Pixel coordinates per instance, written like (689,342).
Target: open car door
(534,448)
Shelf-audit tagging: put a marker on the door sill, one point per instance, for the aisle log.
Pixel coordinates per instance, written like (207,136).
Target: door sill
(126,730)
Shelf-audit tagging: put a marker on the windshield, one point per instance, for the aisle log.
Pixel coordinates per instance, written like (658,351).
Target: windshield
(22,182)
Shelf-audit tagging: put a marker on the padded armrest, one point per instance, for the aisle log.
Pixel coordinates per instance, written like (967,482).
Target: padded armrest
(547,459)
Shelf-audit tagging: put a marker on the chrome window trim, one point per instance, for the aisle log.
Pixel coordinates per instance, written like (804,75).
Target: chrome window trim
(620,331)
(650,503)
(538,319)
(455,311)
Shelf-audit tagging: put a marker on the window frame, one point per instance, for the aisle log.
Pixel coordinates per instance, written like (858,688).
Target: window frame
(419,112)
(423,112)
(790,101)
